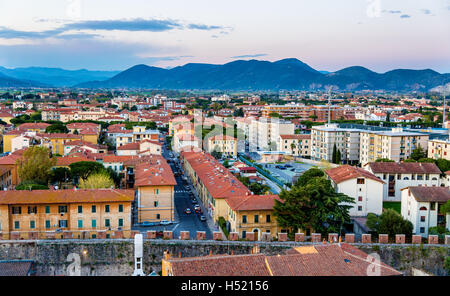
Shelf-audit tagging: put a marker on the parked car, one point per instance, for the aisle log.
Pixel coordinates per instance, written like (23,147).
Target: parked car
(199,211)
(147,223)
(202,218)
(287,166)
(188,211)
(194,201)
(196,207)
(165,222)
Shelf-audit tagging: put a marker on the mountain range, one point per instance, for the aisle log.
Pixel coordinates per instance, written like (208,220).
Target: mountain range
(286,74)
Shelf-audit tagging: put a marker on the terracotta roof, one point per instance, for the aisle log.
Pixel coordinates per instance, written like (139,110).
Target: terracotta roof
(296,137)
(427,194)
(347,172)
(248,169)
(59,136)
(218,180)
(30,125)
(252,202)
(404,168)
(65,196)
(129,146)
(15,267)
(116,158)
(156,173)
(315,260)
(65,161)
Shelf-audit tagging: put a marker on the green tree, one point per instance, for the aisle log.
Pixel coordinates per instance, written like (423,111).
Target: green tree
(308,175)
(59,175)
(57,128)
(97,181)
(338,156)
(418,153)
(316,205)
(83,169)
(389,222)
(334,154)
(35,165)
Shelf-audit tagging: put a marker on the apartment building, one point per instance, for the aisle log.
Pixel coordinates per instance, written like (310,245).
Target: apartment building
(224,144)
(264,133)
(155,183)
(138,134)
(252,213)
(363,186)
(295,145)
(439,149)
(401,175)
(324,137)
(421,206)
(41,214)
(311,112)
(396,145)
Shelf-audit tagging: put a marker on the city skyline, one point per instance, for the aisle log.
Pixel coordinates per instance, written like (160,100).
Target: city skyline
(328,36)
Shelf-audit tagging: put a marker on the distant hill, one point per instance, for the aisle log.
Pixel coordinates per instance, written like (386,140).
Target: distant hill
(287,74)
(6,81)
(55,76)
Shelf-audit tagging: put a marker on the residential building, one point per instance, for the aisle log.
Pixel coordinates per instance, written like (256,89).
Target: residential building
(264,133)
(84,213)
(439,149)
(421,206)
(401,175)
(295,145)
(365,188)
(224,144)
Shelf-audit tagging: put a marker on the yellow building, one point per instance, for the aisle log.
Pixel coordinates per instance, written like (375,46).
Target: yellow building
(439,149)
(227,145)
(177,121)
(41,214)
(56,141)
(212,181)
(7,138)
(252,213)
(155,190)
(295,145)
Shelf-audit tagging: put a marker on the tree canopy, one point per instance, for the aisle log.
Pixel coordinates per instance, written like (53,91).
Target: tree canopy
(313,205)
(97,181)
(35,165)
(82,169)
(389,222)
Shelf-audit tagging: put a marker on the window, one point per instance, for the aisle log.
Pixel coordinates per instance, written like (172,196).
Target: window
(120,222)
(419,177)
(106,208)
(107,223)
(155,204)
(422,229)
(360,181)
(359,208)
(359,198)
(16,224)
(62,209)
(94,209)
(268,218)
(47,209)
(80,223)
(157,191)
(93,223)
(62,223)
(94,236)
(423,209)
(422,218)
(433,206)
(47,224)
(244,219)
(32,210)
(244,234)
(80,209)
(16,210)
(120,208)
(256,218)
(32,224)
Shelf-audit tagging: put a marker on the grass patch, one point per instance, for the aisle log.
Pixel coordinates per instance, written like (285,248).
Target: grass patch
(395,205)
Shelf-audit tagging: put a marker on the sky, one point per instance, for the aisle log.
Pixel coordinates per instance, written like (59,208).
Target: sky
(326,34)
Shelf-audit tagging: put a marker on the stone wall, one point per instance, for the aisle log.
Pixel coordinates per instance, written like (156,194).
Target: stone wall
(116,257)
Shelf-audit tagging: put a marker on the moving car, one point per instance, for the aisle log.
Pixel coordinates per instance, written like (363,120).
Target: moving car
(202,218)
(147,223)
(165,222)
(188,211)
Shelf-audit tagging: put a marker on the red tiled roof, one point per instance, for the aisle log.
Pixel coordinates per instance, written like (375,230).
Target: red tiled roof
(30,125)
(347,172)
(156,173)
(430,194)
(129,146)
(404,168)
(296,137)
(65,196)
(252,202)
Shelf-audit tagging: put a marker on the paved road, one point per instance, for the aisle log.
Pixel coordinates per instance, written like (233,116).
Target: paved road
(183,222)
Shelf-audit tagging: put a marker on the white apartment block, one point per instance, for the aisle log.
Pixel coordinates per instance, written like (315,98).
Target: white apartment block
(421,206)
(395,145)
(325,136)
(264,133)
(363,186)
(439,149)
(406,174)
(295,145)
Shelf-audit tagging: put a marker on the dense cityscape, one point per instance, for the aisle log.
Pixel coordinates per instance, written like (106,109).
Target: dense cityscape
(230,147)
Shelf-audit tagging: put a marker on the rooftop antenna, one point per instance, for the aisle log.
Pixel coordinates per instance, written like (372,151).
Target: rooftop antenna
(329,104)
